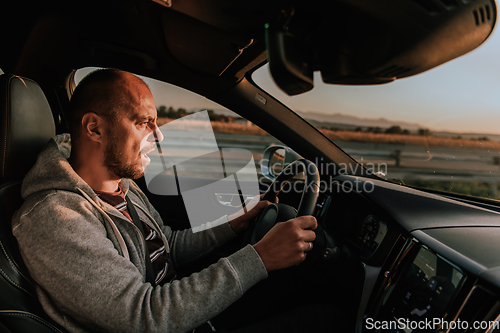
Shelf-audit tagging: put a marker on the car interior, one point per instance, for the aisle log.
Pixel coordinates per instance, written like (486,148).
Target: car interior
(386,251)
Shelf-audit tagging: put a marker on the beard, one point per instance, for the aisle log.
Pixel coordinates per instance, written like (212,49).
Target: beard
(114,162)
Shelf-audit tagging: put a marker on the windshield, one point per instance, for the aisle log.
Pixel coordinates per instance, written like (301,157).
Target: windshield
(438,130)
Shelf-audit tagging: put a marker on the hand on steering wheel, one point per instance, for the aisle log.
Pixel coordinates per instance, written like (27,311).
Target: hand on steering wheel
(240,220)
(306,240)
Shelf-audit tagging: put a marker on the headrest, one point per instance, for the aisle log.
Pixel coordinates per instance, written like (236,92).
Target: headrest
(26,124)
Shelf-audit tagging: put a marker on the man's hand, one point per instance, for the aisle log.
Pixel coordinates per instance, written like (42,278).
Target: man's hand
(287,242)
(240,220)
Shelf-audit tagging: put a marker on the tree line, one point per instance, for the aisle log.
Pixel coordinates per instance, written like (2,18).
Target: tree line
(396,129)
(172,113)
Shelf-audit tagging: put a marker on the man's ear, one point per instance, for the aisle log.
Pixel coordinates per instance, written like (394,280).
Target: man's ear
(92,126)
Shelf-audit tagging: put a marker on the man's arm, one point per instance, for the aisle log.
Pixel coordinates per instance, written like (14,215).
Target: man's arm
(84,281)
(284,245)
(187,246)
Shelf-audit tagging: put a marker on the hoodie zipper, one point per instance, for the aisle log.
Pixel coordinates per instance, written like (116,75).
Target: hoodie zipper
(122,217)
(164,239)
(155,225)
(118,235)
(137,230)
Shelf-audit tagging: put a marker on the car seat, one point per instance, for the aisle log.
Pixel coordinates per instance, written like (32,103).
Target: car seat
(26,126)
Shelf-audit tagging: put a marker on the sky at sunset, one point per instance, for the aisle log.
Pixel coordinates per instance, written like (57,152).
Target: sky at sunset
(460,96)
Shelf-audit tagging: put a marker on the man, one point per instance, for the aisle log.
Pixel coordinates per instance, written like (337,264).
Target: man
(77,234)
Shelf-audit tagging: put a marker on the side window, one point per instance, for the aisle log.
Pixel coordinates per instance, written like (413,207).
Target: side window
(230,129)
(230,132)
(209,155)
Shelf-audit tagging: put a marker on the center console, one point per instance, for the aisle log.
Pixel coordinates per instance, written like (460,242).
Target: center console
(419,293)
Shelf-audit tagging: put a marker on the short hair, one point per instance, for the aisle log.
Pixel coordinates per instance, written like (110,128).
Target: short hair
(96,93)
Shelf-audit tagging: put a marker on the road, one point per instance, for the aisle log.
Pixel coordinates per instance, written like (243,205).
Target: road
(395,161)
(427,163)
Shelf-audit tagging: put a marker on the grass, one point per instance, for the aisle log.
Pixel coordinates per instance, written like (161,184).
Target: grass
(476,189)
(229,128)
(416,140)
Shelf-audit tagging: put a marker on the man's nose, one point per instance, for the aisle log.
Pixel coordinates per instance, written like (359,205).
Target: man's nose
(156,136)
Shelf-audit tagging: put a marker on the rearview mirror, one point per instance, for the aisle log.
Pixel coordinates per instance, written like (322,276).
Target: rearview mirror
(359,42)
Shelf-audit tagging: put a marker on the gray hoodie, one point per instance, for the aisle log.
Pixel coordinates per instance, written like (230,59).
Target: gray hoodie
(87,259)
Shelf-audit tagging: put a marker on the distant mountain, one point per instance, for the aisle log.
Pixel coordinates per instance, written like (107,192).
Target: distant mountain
(349,123)
(336,119)
(224,112)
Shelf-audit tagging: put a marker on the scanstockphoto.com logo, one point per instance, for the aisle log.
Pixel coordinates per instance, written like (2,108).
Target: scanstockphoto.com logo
(214,182)
(428,325)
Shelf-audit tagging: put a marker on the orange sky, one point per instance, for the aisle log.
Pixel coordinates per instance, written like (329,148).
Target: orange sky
(460,96)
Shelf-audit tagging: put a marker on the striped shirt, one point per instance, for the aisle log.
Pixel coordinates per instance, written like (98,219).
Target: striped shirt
(163,269)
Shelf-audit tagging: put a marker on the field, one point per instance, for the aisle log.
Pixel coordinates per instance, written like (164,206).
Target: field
(229,128)
(470,167)
(414,140)
(351,136)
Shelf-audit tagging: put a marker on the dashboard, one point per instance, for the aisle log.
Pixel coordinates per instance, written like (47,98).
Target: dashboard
(431,262)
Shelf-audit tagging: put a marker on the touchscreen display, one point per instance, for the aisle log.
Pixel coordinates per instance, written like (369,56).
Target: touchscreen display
(425,290)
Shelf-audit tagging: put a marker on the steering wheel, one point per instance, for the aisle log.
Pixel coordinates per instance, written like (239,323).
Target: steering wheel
(279,212)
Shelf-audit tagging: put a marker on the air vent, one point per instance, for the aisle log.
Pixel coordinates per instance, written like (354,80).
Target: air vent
(480,305)
(392,71)
(482,14)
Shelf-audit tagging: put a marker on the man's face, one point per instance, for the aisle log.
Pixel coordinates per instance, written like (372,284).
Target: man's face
(133,134)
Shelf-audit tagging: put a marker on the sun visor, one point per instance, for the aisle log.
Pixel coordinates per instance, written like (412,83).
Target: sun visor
(360,42)
(201,46)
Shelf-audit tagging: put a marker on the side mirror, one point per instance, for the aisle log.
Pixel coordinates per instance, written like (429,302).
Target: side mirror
(275,159)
